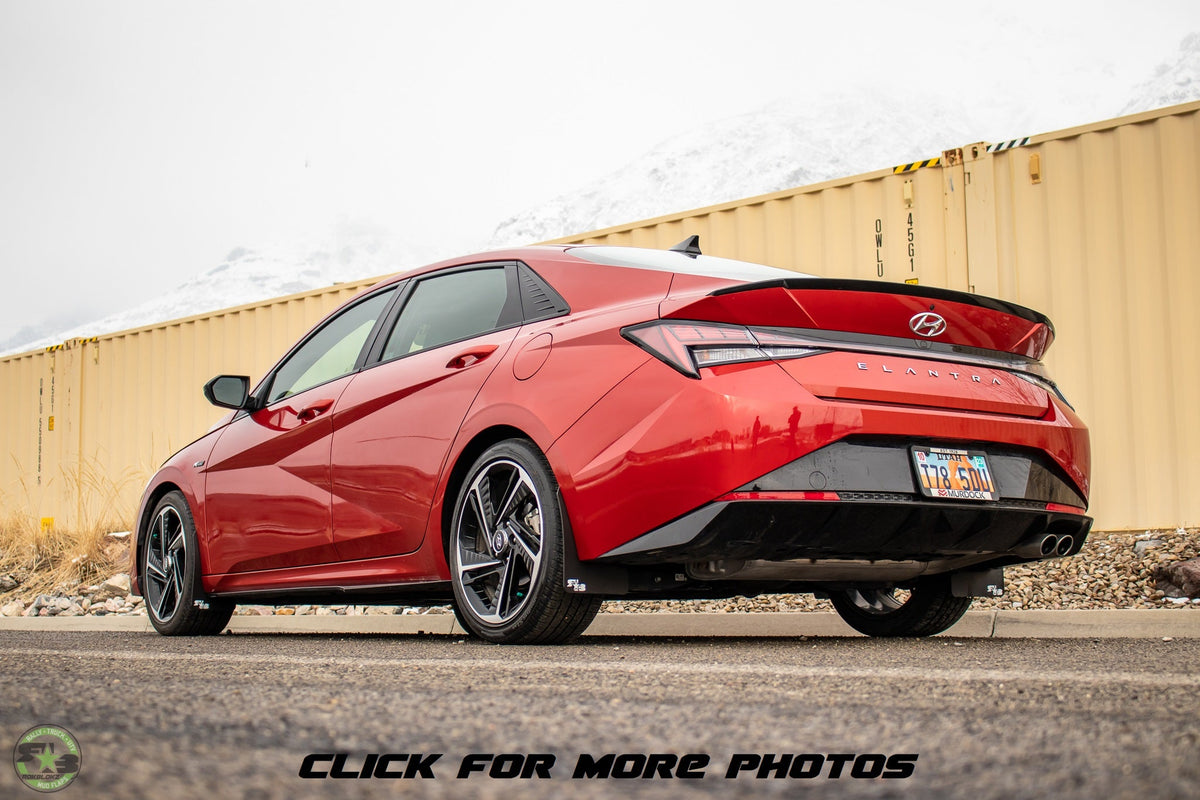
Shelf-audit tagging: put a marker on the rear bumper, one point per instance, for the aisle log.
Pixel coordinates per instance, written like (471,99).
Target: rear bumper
(659,448)
(858,499)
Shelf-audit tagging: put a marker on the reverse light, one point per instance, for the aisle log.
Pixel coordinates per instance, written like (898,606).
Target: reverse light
(688,346)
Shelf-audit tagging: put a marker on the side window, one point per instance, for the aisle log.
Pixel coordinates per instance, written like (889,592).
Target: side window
(447,308)
(332,351)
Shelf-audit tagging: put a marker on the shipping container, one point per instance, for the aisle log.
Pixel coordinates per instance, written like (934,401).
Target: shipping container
(91,419)
(1095,226)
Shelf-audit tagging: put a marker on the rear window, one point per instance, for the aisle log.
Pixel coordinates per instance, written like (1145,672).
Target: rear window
(669,261)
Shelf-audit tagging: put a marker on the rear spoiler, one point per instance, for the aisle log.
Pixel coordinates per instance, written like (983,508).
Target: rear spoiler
(905,289)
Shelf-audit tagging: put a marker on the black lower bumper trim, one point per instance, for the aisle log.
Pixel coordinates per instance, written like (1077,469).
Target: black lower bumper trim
(914,530)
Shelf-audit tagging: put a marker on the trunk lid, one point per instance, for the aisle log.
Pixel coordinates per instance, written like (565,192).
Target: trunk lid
(893,343)
(872,308)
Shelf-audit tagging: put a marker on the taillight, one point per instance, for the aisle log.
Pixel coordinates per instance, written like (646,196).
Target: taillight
(688,346)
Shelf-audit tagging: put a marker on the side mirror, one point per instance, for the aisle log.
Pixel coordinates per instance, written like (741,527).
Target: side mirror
(228,391)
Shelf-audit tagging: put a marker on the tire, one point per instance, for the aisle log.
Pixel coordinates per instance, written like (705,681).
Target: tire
(929,608)
(169,567)
(506,552)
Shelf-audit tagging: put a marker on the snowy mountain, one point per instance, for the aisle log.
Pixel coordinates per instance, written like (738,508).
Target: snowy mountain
(794,143)
(1176,81)
(788,143)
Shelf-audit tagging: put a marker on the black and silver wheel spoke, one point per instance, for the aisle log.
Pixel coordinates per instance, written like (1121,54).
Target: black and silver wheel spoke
(511,492)
(498,546)
(529,542)
(166,560)
(470,574)
(504,598)
(481,498)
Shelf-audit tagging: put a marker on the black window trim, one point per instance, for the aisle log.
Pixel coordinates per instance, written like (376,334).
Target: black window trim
(560,307)
(263,389)
(372,352)
(375,354)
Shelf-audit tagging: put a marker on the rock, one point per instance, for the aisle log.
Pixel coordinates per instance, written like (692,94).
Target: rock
(378,611)
(8,583)
(1142,546)
(13,608)
(114,604)
(117,585)
(1183,574)
(284,612)
(62,603)
(73,610)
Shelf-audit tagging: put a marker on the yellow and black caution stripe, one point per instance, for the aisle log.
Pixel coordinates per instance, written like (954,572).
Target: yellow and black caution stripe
(1009,145)
(69,343)
(916,165)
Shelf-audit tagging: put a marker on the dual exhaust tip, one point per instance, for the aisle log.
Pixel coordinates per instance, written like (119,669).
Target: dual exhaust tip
(1045,546)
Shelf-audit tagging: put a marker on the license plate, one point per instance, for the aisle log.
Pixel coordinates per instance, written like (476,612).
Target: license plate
(953,474)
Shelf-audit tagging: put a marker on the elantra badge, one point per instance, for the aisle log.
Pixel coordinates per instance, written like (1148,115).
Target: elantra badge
(927,324)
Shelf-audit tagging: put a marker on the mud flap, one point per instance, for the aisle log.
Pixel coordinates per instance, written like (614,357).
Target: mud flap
(587,577)
(978,583)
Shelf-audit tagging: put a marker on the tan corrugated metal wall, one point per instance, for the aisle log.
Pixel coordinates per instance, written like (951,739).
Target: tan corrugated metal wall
(123,402)
(1097,226)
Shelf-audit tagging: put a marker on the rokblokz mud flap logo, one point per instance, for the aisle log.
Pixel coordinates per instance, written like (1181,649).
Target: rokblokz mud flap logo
(47,758)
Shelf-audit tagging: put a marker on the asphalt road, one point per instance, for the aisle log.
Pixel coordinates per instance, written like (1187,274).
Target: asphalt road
(235,715)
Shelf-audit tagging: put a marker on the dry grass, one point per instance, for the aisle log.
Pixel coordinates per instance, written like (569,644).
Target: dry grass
(41,558)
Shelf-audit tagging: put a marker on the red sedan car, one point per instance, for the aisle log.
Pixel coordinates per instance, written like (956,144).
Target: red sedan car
(528,432)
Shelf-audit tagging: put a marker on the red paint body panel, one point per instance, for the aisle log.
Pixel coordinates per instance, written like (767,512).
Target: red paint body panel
(369,572)
(393,430)
(267,486)
(628,479)
(177,472)
(915,382)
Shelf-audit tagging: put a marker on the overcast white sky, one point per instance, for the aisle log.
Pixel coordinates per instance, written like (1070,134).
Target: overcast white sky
(141,141)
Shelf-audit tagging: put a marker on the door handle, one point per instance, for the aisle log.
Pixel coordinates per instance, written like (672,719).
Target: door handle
(314,410)
(472,356)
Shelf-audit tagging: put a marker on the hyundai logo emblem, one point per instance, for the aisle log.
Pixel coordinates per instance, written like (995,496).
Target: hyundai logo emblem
(927,324)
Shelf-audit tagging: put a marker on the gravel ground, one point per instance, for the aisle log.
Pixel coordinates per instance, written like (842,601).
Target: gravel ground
(1114,570)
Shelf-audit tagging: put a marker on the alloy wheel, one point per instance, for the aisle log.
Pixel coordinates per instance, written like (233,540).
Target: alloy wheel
(499,542)
(166,560)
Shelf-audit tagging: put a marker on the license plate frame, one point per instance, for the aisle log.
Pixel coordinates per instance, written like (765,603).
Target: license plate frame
(951,473)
